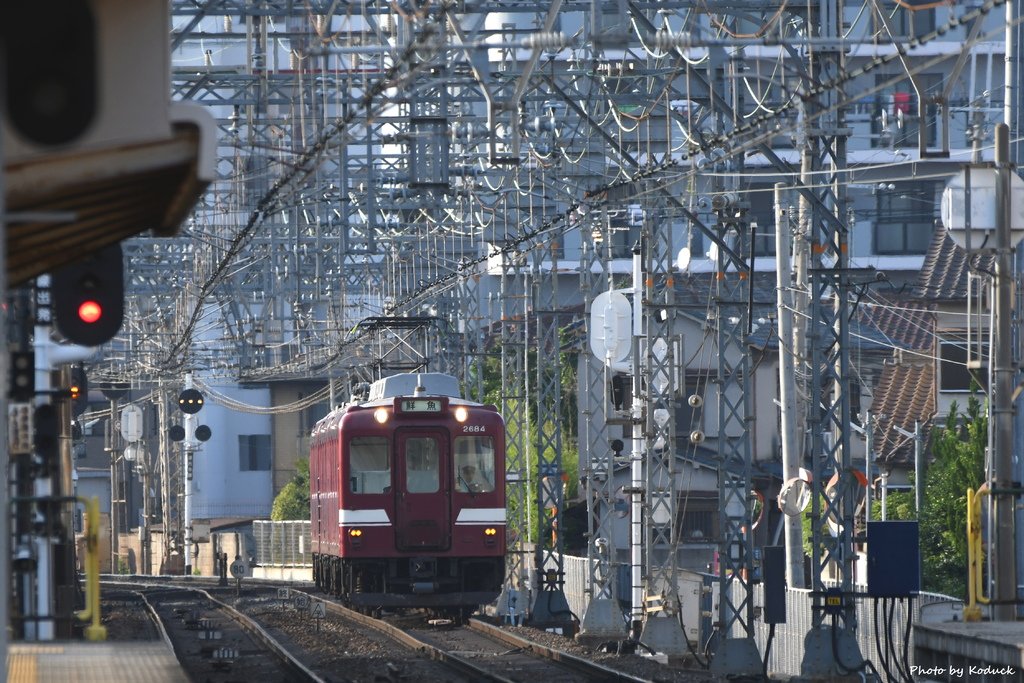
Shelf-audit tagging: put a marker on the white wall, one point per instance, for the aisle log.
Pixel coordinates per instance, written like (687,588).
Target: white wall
(219,488)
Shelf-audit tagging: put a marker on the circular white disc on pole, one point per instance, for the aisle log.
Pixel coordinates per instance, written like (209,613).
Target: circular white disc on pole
(611,324)
(131,423)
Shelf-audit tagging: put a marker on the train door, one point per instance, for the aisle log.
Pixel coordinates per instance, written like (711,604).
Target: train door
(423,518)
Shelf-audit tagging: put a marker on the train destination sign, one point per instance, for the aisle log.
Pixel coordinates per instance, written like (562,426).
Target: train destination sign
(421,405)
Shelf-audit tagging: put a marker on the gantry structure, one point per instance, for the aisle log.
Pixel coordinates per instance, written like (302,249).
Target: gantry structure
(417,185)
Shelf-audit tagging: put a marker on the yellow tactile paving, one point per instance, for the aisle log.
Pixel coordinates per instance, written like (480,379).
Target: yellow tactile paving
(92,663)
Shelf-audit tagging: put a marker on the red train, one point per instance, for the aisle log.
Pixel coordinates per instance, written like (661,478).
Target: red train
(407,498)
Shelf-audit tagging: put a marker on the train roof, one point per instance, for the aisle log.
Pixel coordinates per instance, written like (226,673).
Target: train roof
(415,383)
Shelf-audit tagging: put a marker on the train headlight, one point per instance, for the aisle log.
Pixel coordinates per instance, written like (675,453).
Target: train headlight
(461,414)
(381,415)
(355,533)
(490,531)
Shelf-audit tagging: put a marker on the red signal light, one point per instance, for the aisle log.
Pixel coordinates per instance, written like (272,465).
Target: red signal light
(90,311)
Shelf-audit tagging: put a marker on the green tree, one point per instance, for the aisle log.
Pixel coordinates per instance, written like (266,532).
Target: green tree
(541,527)
(958,452)
(293,500)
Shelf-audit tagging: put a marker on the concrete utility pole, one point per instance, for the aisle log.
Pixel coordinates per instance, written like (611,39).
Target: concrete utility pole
(636,460)
(189,446)
(787,387)
(1003,494)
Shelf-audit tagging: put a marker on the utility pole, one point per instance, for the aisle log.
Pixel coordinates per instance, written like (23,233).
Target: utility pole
(116,497)
(1003,493)
(188,450)
(636,459)
(787,387)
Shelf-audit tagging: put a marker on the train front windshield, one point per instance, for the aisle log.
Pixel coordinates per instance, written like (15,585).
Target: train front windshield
(422,469)
(369,464)
(474,464)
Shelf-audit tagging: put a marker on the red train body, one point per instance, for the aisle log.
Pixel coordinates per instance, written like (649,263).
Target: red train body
(407,497)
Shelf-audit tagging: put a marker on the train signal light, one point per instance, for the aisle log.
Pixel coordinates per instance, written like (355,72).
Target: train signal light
(178,433)
(88,297)
(47,434)
(190,401)
(90,311)
(23,376)
(79,390)
(52,93)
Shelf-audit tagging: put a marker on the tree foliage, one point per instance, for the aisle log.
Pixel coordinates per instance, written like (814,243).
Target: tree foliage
(959,464)
(541,524)
(293,500)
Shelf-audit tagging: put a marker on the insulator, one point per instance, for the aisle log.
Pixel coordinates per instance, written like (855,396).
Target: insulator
(723,200)
(696,437)
(546,41)
(666,40)
(695,401)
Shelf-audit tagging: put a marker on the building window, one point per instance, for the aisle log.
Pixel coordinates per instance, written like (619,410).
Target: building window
(698,516)
(254,452)
(907,22)
(959,371)
(906,216)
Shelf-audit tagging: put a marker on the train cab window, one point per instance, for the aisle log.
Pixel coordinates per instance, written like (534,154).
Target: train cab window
(369,468)
(421,465)
(474,464)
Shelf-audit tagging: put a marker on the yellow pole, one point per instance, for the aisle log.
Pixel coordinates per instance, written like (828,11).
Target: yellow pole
(95,631)
(975,556)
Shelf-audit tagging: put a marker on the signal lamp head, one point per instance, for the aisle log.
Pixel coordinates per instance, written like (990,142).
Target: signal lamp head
(90,311)
(381,415)
(190,401)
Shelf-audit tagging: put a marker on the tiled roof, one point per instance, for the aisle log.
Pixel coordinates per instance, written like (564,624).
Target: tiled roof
(905,394)
(878,326)
(908,325)
(944,274)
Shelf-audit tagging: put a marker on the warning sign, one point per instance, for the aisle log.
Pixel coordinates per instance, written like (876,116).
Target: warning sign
(319,610)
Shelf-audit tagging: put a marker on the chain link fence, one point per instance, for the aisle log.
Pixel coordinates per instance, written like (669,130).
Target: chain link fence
(283,544)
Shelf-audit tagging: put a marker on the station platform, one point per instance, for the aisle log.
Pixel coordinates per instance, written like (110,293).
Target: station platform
(85,662)
(970,651)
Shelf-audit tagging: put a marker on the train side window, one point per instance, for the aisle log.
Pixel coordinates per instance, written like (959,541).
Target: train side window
(421,465)
(474,464)
(369,467)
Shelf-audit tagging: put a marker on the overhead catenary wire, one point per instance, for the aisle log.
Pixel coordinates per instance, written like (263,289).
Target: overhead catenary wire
(223,399)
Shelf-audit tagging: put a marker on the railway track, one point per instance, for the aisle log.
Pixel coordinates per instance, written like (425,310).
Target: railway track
(216,642)
(269,632)
(488,654)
